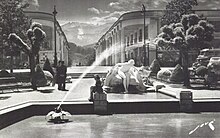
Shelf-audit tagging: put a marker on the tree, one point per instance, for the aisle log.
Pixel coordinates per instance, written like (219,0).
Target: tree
(36,38)
(190,33)
(12,20)
(175,9)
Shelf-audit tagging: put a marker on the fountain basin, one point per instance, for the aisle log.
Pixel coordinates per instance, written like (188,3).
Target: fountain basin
(20,112)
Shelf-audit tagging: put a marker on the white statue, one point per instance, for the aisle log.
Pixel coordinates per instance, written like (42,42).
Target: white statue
(125,72)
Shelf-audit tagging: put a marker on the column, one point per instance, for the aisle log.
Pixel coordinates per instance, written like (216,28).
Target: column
(116,50)
(123,45)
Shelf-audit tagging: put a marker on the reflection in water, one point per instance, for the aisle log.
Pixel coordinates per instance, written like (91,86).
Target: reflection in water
(118,125)
(104,55)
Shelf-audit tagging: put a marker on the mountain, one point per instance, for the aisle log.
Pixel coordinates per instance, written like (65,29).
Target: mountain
(83,33)
(90,45)
(81,55)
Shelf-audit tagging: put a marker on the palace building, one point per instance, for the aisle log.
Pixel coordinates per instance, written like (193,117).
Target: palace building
(126,36)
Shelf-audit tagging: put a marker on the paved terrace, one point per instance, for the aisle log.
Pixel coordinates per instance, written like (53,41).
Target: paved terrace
(81,92)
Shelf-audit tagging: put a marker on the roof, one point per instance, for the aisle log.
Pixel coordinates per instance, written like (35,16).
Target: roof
(133,15)
(149,13)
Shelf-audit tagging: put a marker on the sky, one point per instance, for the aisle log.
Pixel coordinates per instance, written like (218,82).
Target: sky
(102,11)
(98,14)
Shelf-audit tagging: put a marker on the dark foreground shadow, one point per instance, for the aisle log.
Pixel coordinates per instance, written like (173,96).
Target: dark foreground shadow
(4,97)
(204,88)
(59,121)
(45,91)
(16,91)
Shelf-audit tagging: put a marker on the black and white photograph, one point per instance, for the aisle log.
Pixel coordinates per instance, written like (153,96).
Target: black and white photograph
(109,68)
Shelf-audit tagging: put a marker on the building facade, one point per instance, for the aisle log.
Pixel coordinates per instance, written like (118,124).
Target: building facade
(125,38)
(48,48)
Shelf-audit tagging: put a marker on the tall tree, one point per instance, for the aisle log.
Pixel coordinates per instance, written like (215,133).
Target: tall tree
(36,37)
(175,9)
(12,20)
(190,33)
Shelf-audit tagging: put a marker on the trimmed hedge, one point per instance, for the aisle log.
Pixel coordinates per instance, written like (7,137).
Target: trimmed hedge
(177,74)
(164,74)
(155,66)
(47,66)
(201,71)
(5,73)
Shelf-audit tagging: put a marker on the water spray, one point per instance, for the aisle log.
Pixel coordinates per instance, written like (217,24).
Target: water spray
(104,55)
(58,113)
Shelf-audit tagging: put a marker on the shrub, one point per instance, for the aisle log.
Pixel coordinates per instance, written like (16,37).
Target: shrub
(5,73)
(201,71)
(49,77)
(155,66)
(177,74)
(164,74)
(40,76)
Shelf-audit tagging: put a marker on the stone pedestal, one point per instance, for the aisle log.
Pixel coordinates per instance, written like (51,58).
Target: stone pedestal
(100,103)
(186,103)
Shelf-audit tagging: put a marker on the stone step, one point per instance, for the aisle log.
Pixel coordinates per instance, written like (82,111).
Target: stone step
(88,75)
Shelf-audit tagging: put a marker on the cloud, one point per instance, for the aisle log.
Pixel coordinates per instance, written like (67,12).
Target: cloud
(136,4)
(208,1)
(98,11)
(94,10)
(157,4)
(208,4)
(33,3)
(106,12)
(102,20)
(116,5)
(112,17)
(80,34)
(202,1)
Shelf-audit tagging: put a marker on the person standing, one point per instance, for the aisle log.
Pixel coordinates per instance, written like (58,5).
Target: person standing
(61,76)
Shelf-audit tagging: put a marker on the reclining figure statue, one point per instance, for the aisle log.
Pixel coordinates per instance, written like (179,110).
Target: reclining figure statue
(124,74)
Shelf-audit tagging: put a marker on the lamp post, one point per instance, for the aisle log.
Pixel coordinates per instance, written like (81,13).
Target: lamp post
(2,47)
(148,52)
(55,37)
(144,46)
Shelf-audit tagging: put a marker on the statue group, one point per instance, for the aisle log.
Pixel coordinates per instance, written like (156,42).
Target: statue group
(125,76)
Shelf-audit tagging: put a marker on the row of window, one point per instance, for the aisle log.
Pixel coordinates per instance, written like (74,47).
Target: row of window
(136,37)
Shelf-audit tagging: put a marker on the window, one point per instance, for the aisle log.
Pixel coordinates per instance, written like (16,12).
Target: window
(131,40)
(127,41)
(135,38)
(140,35)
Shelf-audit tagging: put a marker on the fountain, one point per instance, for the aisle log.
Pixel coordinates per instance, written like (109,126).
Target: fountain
(57,116)
(105,54)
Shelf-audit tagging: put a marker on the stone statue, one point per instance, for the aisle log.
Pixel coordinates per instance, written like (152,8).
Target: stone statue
(125,74)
